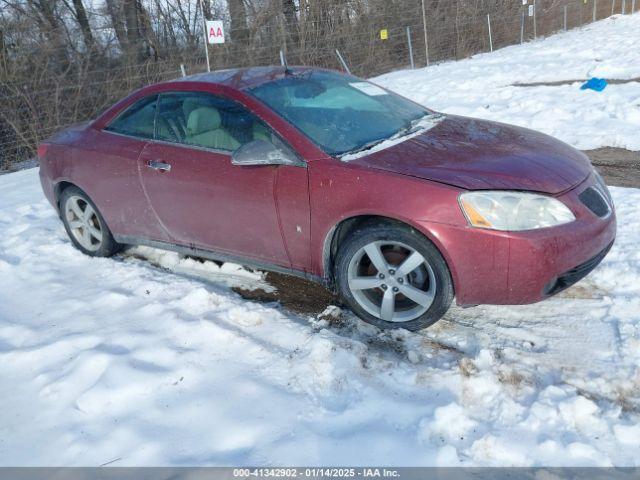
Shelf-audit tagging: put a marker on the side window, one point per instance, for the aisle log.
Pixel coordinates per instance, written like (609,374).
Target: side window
(205,120)
(138,120)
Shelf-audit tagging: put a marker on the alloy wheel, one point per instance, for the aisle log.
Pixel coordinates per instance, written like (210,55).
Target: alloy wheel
(391,281)
(83,223)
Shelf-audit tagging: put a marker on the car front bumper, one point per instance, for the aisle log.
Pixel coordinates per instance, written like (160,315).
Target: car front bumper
(513,268)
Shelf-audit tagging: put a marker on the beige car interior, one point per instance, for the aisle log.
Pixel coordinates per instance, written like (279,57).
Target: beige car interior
(201,125)
(204,128)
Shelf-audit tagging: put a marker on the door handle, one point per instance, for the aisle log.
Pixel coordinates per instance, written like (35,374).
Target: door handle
(159,166)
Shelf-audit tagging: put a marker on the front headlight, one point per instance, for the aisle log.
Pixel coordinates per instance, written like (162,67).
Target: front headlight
(513,211)
(603,187)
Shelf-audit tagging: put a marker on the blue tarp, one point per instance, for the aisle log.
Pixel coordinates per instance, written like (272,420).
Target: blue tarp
(597,84)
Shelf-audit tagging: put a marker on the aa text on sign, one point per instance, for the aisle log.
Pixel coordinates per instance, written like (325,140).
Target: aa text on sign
(215,31)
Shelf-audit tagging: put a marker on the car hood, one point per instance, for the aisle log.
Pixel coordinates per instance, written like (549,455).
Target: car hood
(479,155)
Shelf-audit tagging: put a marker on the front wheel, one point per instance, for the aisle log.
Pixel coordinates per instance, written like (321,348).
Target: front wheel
(393,277)
(85,225)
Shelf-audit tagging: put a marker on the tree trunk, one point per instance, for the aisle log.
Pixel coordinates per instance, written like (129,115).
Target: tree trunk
(52,28)
(3,56)
(289,12)
(206,5)
(238,12)
(131,22)
(115,13)
(148,32)
(83,21)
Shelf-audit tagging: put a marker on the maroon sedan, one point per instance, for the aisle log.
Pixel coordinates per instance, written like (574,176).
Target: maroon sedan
(332,178)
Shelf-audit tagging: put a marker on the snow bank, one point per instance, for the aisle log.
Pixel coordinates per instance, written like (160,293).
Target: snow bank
(484,85)
(151,359)
(120,360)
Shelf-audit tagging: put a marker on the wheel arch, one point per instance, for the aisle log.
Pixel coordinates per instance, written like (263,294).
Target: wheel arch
(340,231)
(60,187)
(107,245)
(65,184)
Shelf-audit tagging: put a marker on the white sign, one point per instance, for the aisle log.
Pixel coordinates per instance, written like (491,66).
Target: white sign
(531,10)
(215,31)
(524,2)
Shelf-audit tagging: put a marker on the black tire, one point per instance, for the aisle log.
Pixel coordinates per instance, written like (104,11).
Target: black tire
(107,246)
(381,232)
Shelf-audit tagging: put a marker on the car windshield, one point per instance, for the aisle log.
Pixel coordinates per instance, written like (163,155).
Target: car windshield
(342,114)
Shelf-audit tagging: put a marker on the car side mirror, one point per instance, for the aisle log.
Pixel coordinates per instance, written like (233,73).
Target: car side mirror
(261,152)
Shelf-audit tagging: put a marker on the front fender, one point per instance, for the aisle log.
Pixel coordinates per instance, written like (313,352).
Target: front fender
(341,192)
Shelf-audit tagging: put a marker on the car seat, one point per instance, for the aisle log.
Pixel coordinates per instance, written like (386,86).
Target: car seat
(204,128)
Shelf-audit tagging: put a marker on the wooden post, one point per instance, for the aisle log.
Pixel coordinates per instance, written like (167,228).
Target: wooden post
(206,36)
(410,48)
(426,37)
(490,38)
(535,24)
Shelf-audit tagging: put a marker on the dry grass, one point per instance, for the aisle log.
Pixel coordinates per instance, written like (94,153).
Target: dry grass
(46,87)
(467,367)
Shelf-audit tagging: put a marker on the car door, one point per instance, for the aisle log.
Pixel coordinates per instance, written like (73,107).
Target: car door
(107,167)
(201,198)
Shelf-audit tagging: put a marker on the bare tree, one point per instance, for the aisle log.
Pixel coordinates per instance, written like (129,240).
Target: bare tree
(3,50)
(238,13)
(116,14)
(186,21)
(80,14)
(51,77)
(291,19)
(45,13)
(208,14)
(134,44)
(147,32)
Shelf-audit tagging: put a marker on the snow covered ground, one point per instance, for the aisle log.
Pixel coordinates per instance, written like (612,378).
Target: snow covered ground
(150,359)
(122,360)
(485,86)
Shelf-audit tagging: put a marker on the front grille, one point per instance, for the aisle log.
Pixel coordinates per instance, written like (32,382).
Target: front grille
(594,200)
(576,274)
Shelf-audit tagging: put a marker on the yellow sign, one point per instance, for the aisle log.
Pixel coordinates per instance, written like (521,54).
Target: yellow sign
(384,34)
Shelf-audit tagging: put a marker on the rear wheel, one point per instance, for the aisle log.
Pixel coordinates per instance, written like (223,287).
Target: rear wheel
(393,277)
(85,226)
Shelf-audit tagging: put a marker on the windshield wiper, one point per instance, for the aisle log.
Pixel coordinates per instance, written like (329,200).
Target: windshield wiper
(408,130)
(411,128)
(366,146)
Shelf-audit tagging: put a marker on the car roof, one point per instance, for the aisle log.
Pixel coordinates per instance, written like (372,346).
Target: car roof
(245,78)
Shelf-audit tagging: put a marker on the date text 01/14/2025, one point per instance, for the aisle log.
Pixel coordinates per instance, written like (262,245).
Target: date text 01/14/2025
(316,473)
